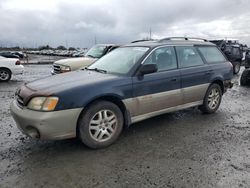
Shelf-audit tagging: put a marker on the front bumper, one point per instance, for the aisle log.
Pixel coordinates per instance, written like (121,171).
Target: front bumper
(53,72)
(54,125)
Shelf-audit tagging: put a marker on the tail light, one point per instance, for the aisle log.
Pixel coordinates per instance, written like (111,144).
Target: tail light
(18,62)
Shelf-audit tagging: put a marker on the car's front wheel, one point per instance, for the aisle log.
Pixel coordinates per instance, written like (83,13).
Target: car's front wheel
(212,99)
(100,125)
(5,75)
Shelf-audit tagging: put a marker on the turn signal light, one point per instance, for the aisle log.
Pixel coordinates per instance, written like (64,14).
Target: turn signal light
(18,62)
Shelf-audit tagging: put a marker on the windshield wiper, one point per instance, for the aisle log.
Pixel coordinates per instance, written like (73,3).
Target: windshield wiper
(97,70)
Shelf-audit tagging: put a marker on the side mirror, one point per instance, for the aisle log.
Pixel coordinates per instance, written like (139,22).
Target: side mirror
(148,68)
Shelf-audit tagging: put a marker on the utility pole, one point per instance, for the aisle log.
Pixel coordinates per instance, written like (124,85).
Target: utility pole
(95,40)
(150,33)
(66,43)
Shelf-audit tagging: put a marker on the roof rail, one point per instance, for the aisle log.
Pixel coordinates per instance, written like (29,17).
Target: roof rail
(182,38)
(142,40)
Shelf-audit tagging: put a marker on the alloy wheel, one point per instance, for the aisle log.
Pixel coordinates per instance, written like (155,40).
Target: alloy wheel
(4,75)
(103,125)
(213,98)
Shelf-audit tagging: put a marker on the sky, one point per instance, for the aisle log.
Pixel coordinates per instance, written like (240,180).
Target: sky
(79,23)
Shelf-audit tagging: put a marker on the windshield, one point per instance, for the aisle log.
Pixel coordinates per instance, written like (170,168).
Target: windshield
(121,60)
(96,51)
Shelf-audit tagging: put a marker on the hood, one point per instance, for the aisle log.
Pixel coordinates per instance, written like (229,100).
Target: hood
(76,63)
(71,80)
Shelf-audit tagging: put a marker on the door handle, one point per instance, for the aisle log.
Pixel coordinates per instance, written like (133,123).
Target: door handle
(173,80)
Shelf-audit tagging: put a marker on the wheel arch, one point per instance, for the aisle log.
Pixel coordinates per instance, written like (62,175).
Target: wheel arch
(110,98)
(6,69)
(220,83)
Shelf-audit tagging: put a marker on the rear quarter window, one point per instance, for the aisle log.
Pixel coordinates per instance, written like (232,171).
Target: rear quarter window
(212,54)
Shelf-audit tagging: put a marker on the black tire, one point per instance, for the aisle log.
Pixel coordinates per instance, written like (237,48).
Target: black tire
(244,80)
(104,126)
(236,67)
(206,106)
(5,75)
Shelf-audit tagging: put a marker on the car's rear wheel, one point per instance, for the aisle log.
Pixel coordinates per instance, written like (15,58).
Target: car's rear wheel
(212,99)
(236,67)
(5,75)
(100,125)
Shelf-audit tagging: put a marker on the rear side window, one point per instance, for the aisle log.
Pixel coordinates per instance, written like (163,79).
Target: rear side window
(212,54)
(188,56)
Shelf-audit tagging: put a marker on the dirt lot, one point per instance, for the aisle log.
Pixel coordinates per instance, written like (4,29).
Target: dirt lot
(182,149)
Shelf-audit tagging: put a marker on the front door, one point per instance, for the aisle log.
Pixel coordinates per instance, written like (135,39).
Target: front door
(160,90)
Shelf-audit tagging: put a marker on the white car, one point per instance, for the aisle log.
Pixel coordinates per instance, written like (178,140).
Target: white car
(9,67)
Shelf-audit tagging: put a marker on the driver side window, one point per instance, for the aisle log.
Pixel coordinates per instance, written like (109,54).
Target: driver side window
(164,58)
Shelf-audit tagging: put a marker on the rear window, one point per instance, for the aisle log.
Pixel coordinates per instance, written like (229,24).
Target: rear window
(212,54)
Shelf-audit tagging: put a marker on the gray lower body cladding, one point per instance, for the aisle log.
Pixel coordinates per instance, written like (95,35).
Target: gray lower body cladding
(147,106)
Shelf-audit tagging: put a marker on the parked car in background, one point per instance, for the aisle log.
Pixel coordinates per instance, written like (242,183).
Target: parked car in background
(72,64)
(78,54)
(245,77)
(55,52)
(20,54)
(233,50)
(128,85)
(9,55)
(9,67)
(247,59)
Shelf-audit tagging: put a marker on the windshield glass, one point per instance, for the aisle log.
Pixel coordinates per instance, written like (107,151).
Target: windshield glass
(121,60)
(96,51)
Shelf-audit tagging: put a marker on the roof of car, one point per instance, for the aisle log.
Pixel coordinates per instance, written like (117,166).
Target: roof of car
(155,43)
(107,45)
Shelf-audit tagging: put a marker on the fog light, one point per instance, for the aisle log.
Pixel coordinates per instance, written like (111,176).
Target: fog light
(32,132)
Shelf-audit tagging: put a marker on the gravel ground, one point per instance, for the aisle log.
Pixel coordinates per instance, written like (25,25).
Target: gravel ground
(181,149)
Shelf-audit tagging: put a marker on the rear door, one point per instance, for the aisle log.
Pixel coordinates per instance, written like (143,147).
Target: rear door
(222,69)
(159,90)
(195,74)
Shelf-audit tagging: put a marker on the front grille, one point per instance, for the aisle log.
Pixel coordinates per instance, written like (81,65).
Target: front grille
(19,100)
(56,69)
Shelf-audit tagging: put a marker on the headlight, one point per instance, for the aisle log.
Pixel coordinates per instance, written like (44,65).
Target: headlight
(43,103)
(65,68)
